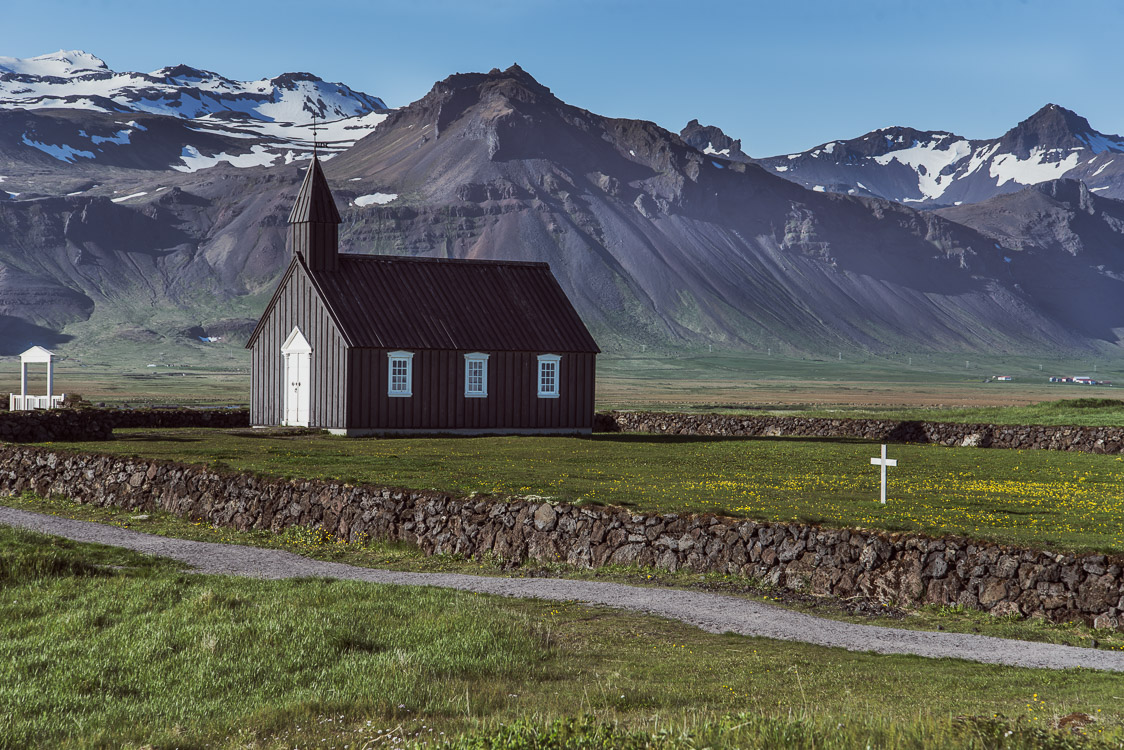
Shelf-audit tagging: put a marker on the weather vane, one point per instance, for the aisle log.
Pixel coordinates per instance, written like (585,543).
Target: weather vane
(314,130)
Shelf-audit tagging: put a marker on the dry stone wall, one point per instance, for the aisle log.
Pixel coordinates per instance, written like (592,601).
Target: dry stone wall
(906,569)
(156,418)
(56,425)
(1084,439)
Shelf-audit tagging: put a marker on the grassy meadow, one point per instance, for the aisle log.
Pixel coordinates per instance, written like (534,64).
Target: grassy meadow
(189,372)
(107,648)
(930,383)
(1088,411)
(392,555)
(1047,499)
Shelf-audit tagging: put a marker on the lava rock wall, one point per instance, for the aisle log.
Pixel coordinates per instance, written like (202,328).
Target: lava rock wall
(58,425)
(1044,437)
(902,568)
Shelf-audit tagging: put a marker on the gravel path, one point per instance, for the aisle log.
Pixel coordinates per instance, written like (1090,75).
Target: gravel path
(714,613)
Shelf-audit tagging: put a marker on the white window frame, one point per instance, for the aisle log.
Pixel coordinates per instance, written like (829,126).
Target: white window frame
(556,361)
(469,361)
(391,359)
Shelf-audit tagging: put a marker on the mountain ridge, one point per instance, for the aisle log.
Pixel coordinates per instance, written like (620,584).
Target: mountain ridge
(66,96)
(655,241)
(932,169)
(590,186)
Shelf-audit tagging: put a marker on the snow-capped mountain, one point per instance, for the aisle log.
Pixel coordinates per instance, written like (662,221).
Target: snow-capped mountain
(110,243)
(251,122)
(939,168)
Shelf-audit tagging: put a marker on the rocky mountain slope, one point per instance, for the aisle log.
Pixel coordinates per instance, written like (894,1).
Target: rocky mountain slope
(1044,229)
(937,168)
(713,142)
(653,238)
(656,241)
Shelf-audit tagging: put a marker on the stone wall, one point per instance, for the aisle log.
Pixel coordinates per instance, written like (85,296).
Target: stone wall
(56,425)
(906,569)
(217,418)
(1085,439)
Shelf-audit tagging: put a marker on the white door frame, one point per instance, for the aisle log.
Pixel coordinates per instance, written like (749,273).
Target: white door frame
(296,390)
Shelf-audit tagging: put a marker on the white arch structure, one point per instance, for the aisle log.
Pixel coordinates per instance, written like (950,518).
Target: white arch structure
(22,401)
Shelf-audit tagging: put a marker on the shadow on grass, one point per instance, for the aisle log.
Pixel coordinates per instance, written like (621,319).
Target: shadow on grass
(161,438)
(641,437)
(281,433)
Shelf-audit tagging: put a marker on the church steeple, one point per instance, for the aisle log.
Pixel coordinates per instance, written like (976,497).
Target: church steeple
(314,221)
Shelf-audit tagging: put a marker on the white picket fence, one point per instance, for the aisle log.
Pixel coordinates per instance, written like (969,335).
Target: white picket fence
(16,402)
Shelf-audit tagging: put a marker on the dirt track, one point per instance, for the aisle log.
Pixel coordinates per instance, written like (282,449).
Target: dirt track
(714,613)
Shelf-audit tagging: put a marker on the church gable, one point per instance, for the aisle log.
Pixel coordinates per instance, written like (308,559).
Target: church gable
(297,306)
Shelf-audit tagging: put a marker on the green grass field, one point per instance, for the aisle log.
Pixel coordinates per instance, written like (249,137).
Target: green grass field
(107,648)
(103,648)
(1045,499)
(188,372)
(1094,411)
(391,555)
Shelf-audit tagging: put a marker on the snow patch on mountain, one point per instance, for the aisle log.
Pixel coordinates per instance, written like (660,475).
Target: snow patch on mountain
(124,198)
(1100,143)
(380,199)
(273,116)
(193,161)
(61,64)
(929,160)
(335,134)
(1033,170)
(120,138)
(62,152)
(77,79)
(938,167)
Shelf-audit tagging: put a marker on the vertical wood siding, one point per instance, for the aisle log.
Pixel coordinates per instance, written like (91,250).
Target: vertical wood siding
(438,400)
(298,305)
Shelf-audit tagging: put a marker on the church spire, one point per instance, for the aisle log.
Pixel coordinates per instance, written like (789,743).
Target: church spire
(314,221)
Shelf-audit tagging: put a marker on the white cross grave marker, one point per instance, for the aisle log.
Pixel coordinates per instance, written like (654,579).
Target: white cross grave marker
(884,462)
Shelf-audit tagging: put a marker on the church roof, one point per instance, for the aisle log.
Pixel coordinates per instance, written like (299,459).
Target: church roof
(314,201)
(393,302)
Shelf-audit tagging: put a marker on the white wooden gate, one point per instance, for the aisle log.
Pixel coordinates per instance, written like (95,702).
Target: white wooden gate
(298,378)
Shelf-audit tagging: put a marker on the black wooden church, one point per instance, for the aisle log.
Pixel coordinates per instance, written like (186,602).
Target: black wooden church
(378,344)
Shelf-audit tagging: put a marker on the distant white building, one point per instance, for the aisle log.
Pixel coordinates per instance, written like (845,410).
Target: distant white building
(1078,380)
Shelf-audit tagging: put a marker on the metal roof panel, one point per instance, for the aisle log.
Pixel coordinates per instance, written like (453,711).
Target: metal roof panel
(314,201)
(395,302)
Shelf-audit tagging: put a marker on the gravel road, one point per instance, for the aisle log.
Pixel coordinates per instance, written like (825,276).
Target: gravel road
(715,613)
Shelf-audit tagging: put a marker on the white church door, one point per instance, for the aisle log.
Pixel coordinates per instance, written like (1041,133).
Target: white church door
(298,377)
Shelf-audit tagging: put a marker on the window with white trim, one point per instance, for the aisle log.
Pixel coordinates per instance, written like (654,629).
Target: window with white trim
(400,374)
(476,375)
(549,371)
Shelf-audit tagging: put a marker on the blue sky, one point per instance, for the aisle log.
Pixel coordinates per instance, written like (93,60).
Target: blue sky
(782,76)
